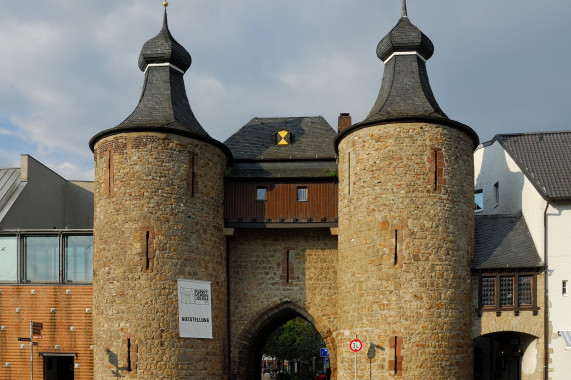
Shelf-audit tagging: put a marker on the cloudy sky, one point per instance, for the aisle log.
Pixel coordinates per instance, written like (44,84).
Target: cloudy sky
(69,67)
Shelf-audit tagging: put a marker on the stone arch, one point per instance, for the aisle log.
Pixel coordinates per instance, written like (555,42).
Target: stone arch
(246,349)
(507,355)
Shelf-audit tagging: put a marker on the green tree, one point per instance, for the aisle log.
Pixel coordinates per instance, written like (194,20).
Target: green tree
(297,339)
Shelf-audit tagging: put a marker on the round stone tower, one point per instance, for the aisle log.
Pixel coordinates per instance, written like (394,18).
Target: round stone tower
(158,219)
(406,226)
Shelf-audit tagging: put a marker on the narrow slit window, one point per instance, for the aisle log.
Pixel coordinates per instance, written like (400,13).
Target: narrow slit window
(395,368)
(109,177)
(147,259)
(396,247)
(497,193)
(192,175)
(287,267)
(129,367)
(564,287)
(435,152)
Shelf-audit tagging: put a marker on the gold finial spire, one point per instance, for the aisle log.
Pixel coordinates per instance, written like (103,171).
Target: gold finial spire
(166,3)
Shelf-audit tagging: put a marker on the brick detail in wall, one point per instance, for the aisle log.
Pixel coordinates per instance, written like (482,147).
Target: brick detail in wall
(129,353)
(436,166)
(287,266)
(109,174)
(146,239)
(393,243)
(395,355)
(192,175)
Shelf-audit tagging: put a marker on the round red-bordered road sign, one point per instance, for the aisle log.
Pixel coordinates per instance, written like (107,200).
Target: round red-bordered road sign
(355,345)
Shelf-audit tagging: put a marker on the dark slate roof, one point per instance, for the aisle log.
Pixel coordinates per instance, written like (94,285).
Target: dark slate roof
(11,186)
(405,94)
(163,48)
(545,158)
(311,138)
(163,105)
(405,37)
(504,241)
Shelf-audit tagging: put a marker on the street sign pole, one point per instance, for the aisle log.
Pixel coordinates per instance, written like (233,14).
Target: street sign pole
(31,350)
(355,345)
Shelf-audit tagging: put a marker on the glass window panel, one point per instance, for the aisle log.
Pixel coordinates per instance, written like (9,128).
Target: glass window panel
(41,258)
(488,291)
(524,290)
(79,258)
(302,194)
(506,291)
(261,194)
(478,200)
(8,259)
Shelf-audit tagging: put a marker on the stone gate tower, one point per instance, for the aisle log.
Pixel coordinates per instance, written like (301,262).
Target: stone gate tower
(158,218)
(406,225)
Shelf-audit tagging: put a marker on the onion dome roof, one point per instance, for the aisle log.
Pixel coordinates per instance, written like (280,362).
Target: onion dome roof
(163,48)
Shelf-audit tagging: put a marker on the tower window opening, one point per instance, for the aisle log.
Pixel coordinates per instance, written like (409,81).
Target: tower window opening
(497,193)
(395,367)
(192,176)
(396,247)
(109,177)
(147,259)
(435,169)
(287,267)
(129,367)
(564,287)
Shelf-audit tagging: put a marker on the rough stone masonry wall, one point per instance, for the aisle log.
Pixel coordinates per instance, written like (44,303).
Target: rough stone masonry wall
(406,230)
(261,293)
(158,218)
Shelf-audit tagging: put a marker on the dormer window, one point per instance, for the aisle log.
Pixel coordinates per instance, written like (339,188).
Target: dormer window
(283,137)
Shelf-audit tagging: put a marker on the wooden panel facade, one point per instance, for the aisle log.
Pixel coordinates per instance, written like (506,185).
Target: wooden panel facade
(281,204)
(69,325)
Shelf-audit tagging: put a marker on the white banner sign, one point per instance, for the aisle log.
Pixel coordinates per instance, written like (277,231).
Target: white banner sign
(194,309)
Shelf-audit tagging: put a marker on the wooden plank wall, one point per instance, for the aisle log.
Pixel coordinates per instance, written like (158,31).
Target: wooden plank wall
(70,303)
(241,204)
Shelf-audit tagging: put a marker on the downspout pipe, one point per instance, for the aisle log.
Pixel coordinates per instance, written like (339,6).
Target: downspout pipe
(546,298)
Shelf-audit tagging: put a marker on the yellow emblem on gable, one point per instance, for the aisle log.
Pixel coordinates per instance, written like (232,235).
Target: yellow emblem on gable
(283,137)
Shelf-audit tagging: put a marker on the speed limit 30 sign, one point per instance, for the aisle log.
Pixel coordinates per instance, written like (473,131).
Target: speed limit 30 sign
(356,345)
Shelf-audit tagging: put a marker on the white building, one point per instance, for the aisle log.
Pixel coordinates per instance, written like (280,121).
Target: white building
(526,176)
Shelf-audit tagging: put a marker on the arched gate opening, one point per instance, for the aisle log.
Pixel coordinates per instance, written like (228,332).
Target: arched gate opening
(507,355)
(252,340)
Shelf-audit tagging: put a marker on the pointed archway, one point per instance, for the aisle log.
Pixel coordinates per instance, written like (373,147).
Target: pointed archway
(247,348)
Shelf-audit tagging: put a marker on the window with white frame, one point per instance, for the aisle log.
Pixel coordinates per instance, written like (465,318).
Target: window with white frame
(46,258)
(478,200)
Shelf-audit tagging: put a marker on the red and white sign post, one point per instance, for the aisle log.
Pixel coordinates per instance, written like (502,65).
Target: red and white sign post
(355,345)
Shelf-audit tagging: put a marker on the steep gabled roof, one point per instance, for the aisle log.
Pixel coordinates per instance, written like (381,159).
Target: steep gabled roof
(504,241)
(545,158)
(311,138)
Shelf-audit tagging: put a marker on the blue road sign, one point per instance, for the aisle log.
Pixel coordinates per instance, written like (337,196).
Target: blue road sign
(324,353)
